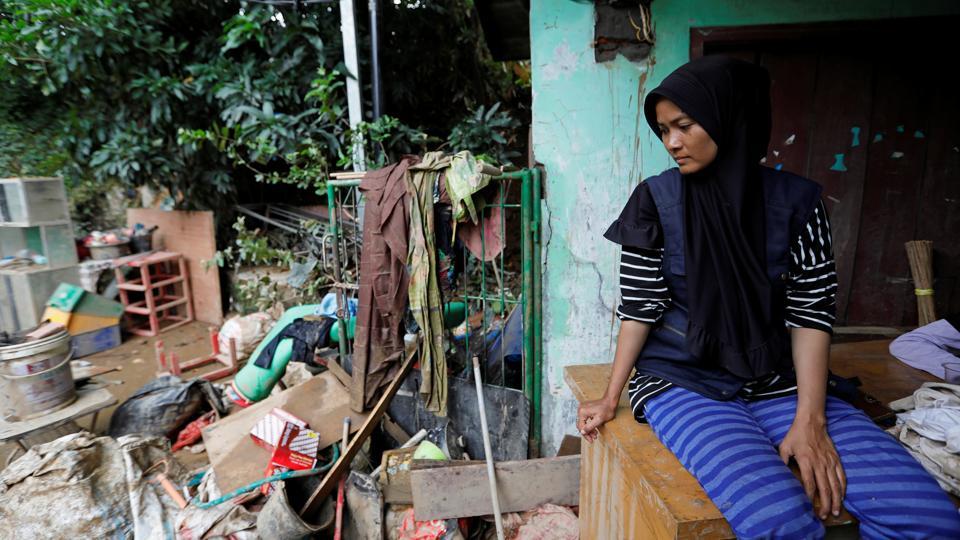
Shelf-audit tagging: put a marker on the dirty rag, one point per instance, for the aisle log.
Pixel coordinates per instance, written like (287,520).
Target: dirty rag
(930,431)
(424,292)
(484,240)
(306,334)
(384,280)
(463,181)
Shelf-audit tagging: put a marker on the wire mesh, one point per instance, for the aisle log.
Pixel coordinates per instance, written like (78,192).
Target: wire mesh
(493,287)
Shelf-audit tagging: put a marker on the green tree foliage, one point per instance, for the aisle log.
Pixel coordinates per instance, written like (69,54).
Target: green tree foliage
(125,78)
(196,96)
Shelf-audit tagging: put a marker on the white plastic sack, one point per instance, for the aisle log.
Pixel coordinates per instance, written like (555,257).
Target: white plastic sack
(248,331)
(84,486)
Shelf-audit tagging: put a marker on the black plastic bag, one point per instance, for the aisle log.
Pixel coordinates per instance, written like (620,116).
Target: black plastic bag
(163,406)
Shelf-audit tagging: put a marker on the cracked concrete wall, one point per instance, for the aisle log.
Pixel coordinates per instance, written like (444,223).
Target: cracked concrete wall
(589,133)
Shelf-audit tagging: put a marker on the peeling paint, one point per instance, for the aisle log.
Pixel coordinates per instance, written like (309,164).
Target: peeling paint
(790,140)
(918,134)
(855,133)
(838,163)
(564,62)
(900,128)
(779,167)
(878,137)
(896,155)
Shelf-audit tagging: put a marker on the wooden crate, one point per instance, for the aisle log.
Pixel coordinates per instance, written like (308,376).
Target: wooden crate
(632,486)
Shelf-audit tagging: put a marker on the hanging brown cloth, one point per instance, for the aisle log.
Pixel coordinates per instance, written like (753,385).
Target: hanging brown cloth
(378,343)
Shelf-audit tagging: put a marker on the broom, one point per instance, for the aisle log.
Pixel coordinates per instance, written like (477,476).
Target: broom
(920,254)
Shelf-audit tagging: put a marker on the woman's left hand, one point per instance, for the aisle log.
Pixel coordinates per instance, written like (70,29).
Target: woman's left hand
(821,472)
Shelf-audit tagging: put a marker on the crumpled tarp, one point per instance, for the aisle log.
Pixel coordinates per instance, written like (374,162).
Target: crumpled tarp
(930,430)
(84,486)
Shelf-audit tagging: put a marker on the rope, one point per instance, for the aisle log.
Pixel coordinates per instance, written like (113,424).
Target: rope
(274,478)
(644,32)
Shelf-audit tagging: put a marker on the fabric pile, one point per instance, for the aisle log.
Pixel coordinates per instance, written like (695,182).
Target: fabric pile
(930,429)
(401,264)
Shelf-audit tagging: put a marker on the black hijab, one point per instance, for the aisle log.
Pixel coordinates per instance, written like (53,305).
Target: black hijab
(736,321)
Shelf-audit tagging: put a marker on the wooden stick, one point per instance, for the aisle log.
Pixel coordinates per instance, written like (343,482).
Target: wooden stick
(491,471)
(343,464)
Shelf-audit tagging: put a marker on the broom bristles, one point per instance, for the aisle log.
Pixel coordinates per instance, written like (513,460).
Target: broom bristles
(920,255)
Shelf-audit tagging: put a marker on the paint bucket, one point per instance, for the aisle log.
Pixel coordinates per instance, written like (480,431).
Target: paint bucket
(35,377)
(277,519)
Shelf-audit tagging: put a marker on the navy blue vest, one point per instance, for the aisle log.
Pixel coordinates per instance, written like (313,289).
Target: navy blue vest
(790,199)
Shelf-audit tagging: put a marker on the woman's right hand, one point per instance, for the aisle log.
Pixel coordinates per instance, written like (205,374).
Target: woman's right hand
(593,414)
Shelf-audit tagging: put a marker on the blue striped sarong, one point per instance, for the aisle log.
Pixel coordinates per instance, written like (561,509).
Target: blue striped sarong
(730,447)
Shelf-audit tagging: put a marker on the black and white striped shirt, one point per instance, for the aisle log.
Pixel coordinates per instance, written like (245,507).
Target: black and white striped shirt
(811,302)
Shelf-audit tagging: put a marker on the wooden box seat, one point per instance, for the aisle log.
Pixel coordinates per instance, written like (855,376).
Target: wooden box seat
(631,485)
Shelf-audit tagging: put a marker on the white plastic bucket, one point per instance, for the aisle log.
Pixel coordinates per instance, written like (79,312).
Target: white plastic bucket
(35,377)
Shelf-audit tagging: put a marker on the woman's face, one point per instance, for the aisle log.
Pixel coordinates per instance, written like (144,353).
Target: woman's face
(686,140)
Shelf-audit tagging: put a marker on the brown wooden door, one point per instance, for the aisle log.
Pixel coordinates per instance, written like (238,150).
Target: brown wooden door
(877,123)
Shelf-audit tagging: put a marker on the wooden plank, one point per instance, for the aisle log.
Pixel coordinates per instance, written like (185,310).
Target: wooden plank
(395,476)
(192,234)
(451,492)
(338,372)
(322,402)
(883,286)
(938,218)
(882,375)
(842,101)
(88,401)
(394,430)
(792,80)
(343,464)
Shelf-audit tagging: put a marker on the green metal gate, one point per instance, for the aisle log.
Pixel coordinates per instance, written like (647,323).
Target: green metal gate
(490,298)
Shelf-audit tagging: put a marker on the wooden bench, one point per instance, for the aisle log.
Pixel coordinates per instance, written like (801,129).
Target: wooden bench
(631,486)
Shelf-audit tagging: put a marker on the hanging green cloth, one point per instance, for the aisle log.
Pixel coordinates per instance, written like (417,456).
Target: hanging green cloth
(464,180)
(424,290)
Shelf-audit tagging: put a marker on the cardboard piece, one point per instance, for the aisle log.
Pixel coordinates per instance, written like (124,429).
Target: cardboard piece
(81,311)
(193,235)
(322,402)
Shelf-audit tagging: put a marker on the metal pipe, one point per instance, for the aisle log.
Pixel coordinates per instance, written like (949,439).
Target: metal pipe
(337,272)
(488,453)
(527,288)
(348,30)
(342,485)
(374,8)
(537,405)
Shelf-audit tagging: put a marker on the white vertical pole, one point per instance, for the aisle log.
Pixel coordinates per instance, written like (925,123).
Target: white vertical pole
(348,29)
(491,470)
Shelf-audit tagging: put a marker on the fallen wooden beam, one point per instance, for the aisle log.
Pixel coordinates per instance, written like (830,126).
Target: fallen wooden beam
(454,492)
(342,466)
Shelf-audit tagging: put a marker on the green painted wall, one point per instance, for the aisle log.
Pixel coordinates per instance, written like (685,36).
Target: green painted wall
(588,132)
